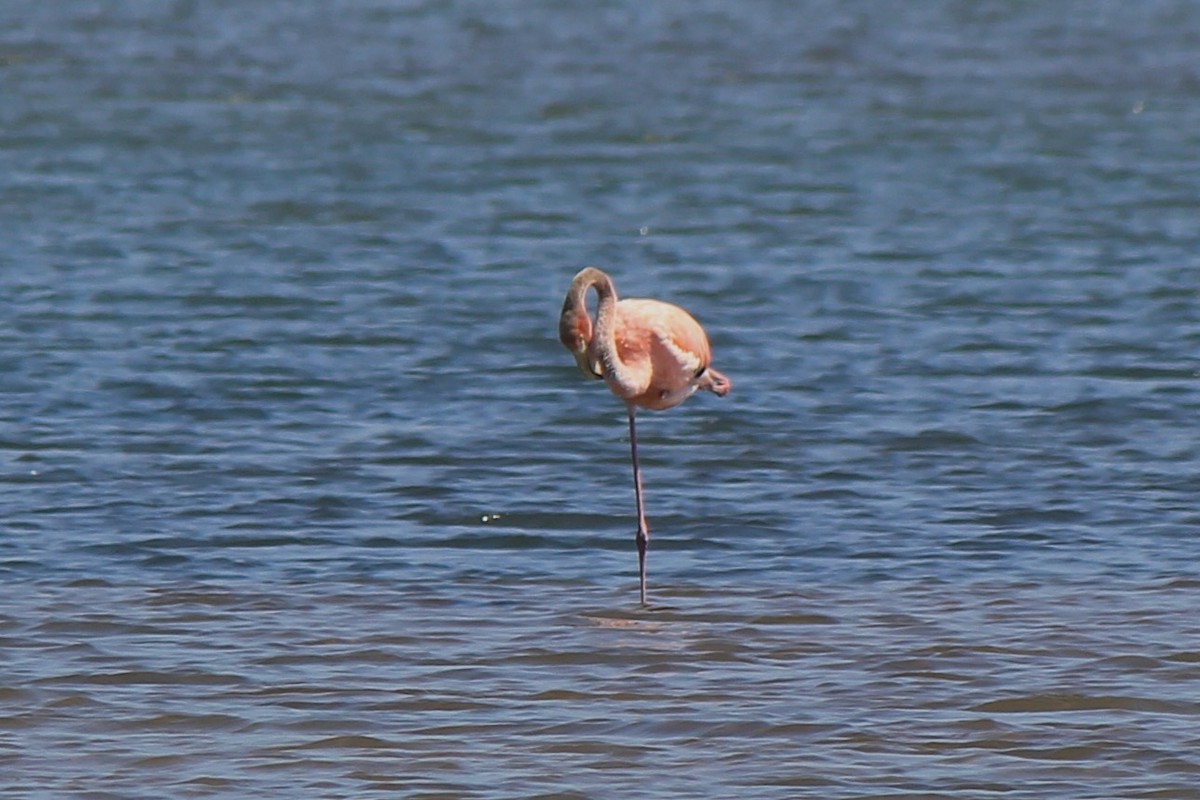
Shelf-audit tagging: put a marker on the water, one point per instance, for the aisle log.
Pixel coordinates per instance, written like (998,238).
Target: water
(301,497)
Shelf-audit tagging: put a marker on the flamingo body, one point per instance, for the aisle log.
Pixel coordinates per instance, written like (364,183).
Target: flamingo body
(664,347)
(651,354)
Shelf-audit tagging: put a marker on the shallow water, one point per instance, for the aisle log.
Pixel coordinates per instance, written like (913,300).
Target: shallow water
(300,495)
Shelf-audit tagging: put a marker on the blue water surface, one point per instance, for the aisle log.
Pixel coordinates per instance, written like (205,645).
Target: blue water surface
(300,496)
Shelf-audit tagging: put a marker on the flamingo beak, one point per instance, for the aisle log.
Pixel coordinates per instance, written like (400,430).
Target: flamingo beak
(585,363)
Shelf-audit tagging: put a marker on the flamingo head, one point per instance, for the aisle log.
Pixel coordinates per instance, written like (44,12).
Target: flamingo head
(575,333)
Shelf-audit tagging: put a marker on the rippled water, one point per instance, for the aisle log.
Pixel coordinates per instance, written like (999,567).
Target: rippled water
(300,495)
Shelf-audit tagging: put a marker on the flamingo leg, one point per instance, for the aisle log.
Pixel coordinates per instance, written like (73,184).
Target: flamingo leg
(643,531)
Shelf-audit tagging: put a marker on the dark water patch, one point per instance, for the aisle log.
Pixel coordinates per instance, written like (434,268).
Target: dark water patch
(1060,703)
(930,440)
(183,723)
(144,678)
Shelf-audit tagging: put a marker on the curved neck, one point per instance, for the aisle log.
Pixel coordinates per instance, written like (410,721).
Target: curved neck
(575,303)
(604,342)
(602,346)
(619,376)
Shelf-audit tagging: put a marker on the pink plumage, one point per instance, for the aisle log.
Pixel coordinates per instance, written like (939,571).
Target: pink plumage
(651,354)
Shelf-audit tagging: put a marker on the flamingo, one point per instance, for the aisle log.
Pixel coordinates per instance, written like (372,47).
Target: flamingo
(651,354)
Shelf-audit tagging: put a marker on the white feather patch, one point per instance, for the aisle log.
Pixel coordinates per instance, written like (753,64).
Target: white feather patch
(688,361)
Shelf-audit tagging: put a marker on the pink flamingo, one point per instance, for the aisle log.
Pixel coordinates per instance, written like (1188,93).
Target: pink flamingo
(651,354)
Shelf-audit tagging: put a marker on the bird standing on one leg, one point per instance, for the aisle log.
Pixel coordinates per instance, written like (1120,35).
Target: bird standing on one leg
(651,354)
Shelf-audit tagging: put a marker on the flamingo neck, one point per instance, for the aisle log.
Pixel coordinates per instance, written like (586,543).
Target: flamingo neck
(604,342)
(617,373)
(602,358)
